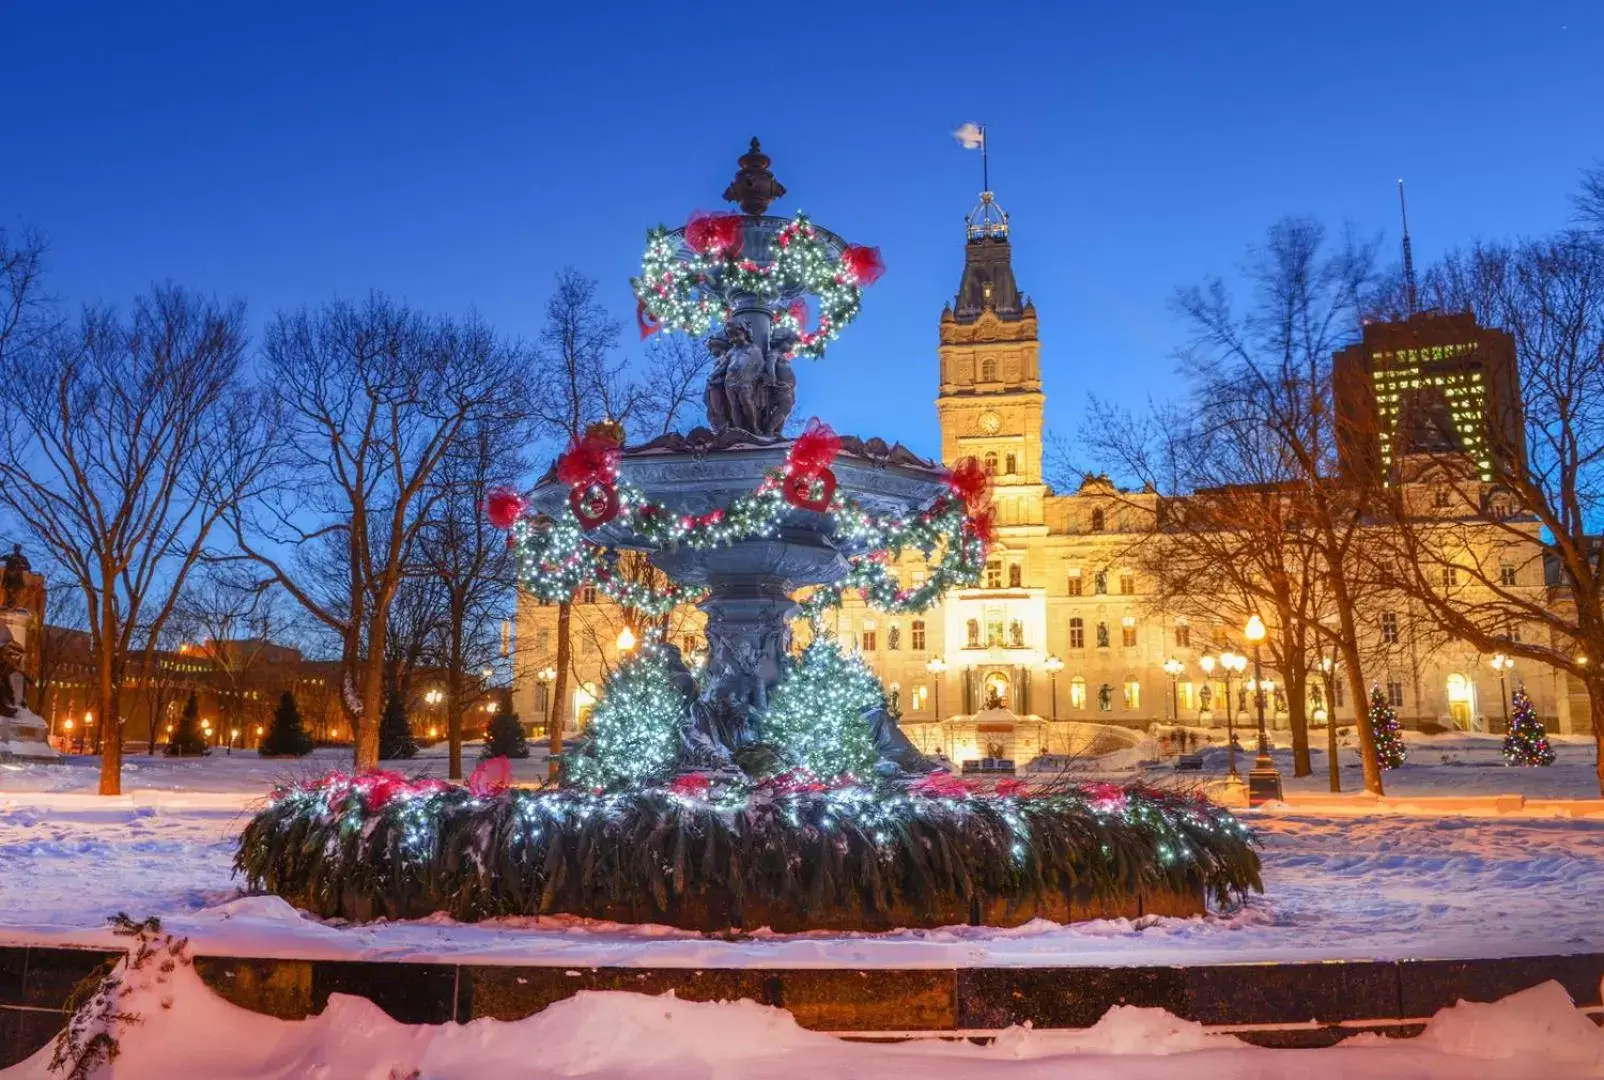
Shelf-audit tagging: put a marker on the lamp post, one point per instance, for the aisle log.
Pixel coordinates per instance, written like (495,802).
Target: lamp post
(1173,668)
(1502,664)
(1206,662)
(626,640)
(1232,662)
(1327,665)
(937,666)
(1264,783)
(1054,665)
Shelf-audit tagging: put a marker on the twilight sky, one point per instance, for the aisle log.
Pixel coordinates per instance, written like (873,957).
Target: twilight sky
(457,155)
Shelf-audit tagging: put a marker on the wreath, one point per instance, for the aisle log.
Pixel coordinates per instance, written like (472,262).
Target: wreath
(688,277)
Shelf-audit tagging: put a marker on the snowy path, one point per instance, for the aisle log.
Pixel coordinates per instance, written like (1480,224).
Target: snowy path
(1337,887)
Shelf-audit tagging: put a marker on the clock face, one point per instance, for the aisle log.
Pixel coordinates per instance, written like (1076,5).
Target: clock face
(990,423)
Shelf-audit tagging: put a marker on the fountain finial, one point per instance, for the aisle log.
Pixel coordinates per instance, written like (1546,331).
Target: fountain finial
(754,187)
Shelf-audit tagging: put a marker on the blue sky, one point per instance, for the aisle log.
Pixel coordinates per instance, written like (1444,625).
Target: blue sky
(459,155)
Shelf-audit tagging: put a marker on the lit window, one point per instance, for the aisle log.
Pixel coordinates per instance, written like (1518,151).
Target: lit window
(869,640)
(917,635)
(1127,635)
(1077,692)
(1184,695)
(1389,627)
(1133,694)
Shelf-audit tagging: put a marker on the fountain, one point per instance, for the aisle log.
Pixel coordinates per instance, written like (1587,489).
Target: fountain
(775,789)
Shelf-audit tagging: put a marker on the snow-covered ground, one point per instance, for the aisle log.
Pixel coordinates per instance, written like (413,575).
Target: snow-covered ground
(617,1035)
(1337,886)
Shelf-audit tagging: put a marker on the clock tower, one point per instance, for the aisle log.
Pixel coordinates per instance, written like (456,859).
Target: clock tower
(990,400)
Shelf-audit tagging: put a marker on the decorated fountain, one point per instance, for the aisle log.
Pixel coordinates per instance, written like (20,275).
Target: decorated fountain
(773,787)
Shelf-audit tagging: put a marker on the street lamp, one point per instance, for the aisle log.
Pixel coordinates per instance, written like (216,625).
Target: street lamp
(1173,668)
(233,733)
(1264,783)
(1231,662)
(1328,666)
(1206,662)
(937,667)
(626,640)
(1502,664)
(1054,665)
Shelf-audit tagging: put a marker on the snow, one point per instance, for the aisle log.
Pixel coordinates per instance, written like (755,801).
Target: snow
(185,1032)
(1346,884)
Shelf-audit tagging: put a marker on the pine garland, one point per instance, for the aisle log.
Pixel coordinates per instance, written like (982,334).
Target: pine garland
(699,856)
(1390,748)
(1526,743)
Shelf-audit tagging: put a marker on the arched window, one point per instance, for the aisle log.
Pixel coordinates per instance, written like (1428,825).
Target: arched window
(1077,692)
(1133,694)
(1011,464)
(972,628)
(1099,520)
(988,369)
(1077,633)
(990,461)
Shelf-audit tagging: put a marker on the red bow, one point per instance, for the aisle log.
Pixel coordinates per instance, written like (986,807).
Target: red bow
(492,777)
(709,233)
(1011,788)
(649,324)
(799,312)
(690,785)
(970,483)
(984,525)
(591,460)
(815,449)
(863,264)
(503,507)
(940,785)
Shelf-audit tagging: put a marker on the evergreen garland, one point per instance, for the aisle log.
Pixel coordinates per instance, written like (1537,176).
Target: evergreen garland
(1527,741)
(636,729)
(395,731)
(1390,748)
(286,736)
(855,857)
(815,715)
(504,737)
(187,739)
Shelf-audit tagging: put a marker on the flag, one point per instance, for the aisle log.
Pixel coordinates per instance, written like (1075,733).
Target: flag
(971,136)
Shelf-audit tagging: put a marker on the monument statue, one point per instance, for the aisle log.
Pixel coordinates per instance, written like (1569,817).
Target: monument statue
(15,578)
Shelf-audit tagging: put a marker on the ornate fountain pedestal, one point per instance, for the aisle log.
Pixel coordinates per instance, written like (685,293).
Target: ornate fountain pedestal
(750,583)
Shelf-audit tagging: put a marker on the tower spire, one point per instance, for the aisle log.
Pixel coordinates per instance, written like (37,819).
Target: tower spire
(1411,292)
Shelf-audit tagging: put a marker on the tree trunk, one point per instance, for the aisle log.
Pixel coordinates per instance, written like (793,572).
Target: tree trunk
(366,756)
(1333,767)
(111,760)
(1595,708)
(454,686)
(559,689)
(1349,645)
(1297,687)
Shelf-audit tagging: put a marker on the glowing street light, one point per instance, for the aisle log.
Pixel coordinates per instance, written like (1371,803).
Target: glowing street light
(1173,668)
(1502,664)
(937,667)
(1264,783)
(626,640)
(1054,665)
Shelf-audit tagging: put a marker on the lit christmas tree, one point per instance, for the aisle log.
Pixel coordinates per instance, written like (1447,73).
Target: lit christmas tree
(636,729)
(816,714)
(1390,748)
(1527,742)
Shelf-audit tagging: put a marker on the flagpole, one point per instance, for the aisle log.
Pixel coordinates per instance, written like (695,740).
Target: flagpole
(985,165)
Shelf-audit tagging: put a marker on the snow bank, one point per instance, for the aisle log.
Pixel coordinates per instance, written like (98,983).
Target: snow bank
(185,1032)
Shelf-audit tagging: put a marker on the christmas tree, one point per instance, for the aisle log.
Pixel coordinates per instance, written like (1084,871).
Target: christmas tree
(286,737)
(636,729)
(395,731)
(1527,742)
(504,737)
(1390,748)
(816,714)
(186,739)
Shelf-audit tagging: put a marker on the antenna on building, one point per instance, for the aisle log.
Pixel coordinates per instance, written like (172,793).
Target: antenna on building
(1411,292)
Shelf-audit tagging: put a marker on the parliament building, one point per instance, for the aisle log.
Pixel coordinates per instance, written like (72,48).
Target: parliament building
(1063,634)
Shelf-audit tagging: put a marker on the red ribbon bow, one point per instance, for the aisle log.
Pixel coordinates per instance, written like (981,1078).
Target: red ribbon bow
(709,233)
(970,483)
(863,264)
(815,449)
(590,460)
(503,507)
(940,785)
(492,777)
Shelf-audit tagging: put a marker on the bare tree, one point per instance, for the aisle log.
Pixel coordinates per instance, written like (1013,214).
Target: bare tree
(373,397)
(1590,199)
(677,366)
(124,442)
(1515,564)
(468,560)
(578,383)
